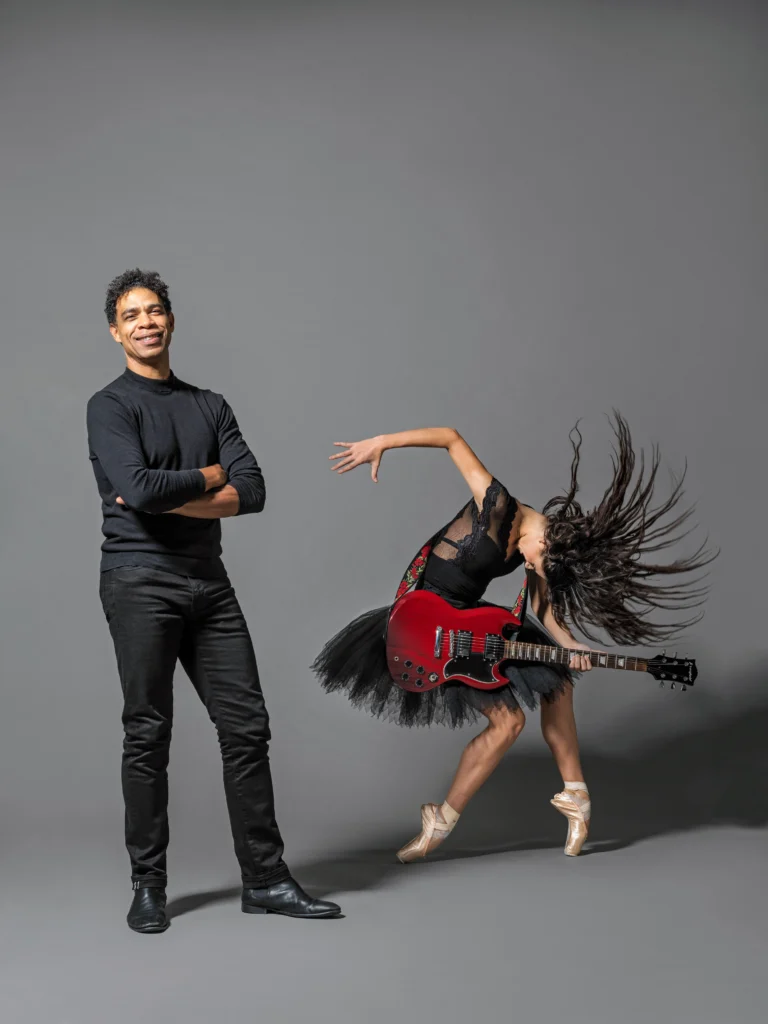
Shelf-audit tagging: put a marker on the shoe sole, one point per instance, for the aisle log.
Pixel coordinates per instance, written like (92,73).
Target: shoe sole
(151,930)
(282,913)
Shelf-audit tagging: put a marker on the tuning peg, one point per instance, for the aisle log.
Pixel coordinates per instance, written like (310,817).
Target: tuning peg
(683,687)
(661,684)
(675,655)
(671,686)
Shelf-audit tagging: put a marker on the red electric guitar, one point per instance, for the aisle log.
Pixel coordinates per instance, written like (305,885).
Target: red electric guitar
(429,642)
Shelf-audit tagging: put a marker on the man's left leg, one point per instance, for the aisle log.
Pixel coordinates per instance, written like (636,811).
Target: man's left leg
(218,656)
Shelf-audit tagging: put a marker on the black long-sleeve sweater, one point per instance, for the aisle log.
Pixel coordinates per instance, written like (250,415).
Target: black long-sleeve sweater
(148,440)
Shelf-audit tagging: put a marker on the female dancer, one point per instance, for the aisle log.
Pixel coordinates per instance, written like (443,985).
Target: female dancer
(583,569)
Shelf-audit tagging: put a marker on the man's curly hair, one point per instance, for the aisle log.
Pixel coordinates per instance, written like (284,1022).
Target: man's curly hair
(137,278)
(593,566)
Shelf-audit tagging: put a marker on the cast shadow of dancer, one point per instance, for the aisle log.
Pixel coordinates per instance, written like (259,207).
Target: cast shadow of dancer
(714,775)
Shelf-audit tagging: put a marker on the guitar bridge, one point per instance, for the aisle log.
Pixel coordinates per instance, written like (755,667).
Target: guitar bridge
(438,640)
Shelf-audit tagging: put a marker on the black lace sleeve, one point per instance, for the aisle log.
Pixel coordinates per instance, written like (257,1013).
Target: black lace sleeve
(495,518)
(497,514)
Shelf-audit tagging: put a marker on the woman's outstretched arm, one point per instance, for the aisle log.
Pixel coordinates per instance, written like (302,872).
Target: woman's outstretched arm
(357,453)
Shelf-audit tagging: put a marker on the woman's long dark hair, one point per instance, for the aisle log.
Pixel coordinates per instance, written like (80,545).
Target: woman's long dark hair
(596,575)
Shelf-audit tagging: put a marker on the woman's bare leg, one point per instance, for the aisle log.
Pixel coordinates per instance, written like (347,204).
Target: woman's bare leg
(480,757)
(482,754)
(558,725)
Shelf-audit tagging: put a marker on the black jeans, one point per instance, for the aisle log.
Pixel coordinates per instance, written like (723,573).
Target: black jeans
(155,618)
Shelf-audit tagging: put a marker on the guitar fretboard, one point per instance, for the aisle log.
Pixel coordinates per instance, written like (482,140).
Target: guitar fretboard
(562,656)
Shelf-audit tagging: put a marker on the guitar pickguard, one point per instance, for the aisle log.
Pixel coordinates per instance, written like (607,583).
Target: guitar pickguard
(476,666)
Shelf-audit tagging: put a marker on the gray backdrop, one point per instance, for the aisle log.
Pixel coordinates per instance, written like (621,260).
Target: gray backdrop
(499,217)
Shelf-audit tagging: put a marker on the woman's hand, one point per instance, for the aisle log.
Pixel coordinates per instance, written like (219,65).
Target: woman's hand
(357,453)
(580,662)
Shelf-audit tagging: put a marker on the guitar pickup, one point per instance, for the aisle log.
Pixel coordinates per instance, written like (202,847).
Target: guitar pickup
(492,649)
(438,640)
(463,643)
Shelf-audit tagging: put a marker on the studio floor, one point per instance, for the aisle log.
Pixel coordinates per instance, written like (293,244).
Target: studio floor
(671,928)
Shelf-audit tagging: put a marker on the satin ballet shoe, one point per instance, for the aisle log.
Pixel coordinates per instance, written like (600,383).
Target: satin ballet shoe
(578,814)
(434,829)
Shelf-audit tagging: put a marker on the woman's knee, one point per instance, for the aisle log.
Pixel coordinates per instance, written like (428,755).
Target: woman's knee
(506,724)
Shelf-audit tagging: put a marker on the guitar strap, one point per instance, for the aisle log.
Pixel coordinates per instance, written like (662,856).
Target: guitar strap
(521,604)
(412,579)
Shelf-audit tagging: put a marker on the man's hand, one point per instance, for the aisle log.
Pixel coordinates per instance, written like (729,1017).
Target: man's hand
(215,476)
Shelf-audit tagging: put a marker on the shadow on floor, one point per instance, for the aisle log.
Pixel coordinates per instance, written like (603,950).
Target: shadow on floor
(716,775)
(197,900)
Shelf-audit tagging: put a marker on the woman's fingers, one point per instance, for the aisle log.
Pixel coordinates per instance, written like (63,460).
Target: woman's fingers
(355,454)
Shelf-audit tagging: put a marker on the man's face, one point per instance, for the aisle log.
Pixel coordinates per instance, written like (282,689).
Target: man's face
(143,327)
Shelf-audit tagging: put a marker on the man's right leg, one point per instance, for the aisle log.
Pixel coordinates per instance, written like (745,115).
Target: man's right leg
(145,611)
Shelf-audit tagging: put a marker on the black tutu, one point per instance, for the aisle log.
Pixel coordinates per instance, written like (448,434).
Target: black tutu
(354,662)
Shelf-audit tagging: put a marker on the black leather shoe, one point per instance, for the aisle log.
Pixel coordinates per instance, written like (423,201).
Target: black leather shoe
(286,898)
(147,913)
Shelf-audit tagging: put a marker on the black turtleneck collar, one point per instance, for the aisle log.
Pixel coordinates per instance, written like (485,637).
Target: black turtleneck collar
(160,387)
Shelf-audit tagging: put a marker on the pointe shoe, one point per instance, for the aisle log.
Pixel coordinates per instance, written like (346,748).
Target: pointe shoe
(434,829)
(578,821)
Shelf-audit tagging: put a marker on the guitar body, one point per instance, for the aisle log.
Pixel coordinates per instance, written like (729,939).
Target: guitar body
(429,642)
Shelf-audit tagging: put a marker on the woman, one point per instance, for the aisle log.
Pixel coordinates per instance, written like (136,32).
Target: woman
(583,569)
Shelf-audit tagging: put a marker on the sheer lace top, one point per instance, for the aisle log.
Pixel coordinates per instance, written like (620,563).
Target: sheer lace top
(472,549)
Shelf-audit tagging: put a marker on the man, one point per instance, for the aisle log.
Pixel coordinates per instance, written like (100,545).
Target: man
(170,463)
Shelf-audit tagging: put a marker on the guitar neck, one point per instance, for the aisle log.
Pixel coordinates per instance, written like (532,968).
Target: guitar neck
(562,656)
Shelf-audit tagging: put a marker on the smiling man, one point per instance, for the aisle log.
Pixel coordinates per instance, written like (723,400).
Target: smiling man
(170,463)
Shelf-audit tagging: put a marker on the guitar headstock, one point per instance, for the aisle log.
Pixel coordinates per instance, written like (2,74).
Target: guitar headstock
(673,670)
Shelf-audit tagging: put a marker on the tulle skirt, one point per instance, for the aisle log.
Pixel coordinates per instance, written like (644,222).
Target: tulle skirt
(354,662)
